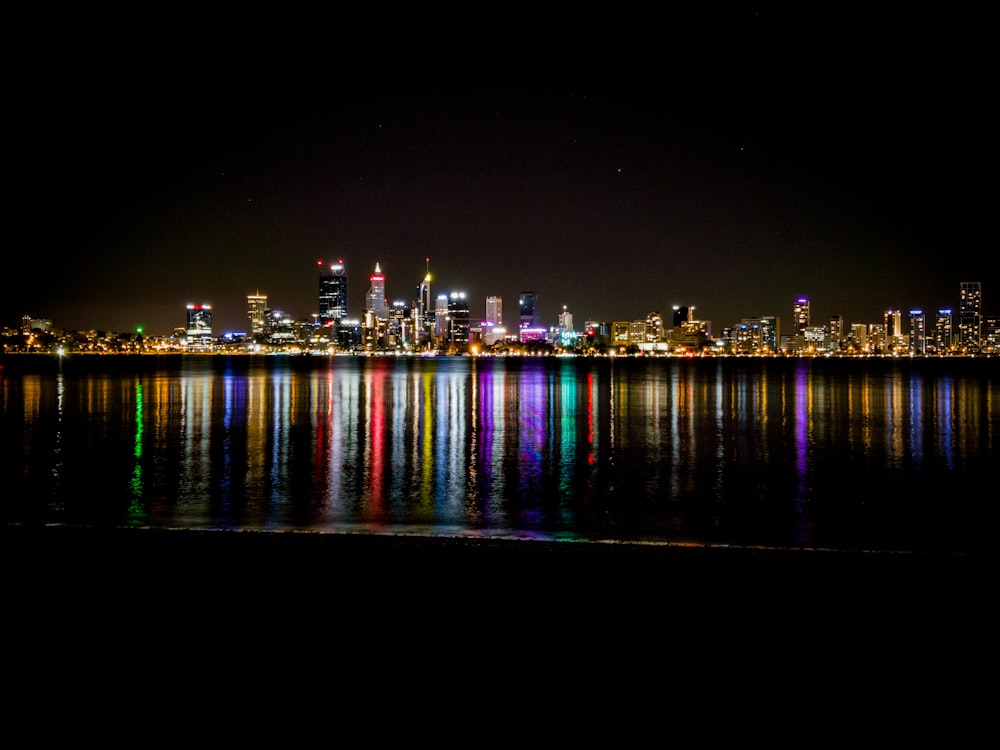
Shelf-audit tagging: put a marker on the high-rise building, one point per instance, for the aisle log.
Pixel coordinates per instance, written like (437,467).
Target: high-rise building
(876,337)
(257,314)
(494,311)
(565,320)
(893,326)
(918,332)
(399,331)
(528,304)
(425,307)
(199,325)
(991,334)
(376,301)
(970,315)
(859,336)
(943,331)
(769,334)
(755,336)
(800,315)
(441,316)
(682,315)
(458,319)
(836,331)
(654,327)
(332,291)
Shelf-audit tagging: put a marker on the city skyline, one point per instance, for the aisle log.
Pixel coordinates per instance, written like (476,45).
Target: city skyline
(731,161)
(445,322)
(328,304)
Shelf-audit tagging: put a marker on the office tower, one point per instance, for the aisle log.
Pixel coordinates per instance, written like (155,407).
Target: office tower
(755,336)
(918,332)
(637,332)
(970,316)
(859,335)
(399,332)
(893,326)
(376,301)
(800,315)
(257,313)
(991,334)
(565,320)
(458,319)
(494,311)
(943,331)
(769,335)
(836,331)
(332,291)
(877,340)
(441,316)
(745,337)
(199,324)
(528,304)
(654,327)
(425,304)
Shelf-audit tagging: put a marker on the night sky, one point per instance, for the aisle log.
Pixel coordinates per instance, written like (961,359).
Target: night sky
(614,166)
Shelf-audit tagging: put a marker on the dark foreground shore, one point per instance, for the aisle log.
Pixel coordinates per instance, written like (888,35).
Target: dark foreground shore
(355,593)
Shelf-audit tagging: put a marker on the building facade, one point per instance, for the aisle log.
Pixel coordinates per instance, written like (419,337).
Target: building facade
(970,316)
(376,300)
(332,292)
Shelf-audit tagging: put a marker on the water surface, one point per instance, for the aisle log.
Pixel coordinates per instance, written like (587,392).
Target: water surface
(846,454)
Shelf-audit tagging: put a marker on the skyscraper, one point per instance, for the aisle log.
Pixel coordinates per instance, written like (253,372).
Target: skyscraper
(566,319)
(332,291)
(425,307)
(441,316)
(199,325)
(257,314)
(376,301)
(893,324)
(528,303)
(970,315)
(800,315)
(942,331)
(918,332)
(494,311)
(458,319)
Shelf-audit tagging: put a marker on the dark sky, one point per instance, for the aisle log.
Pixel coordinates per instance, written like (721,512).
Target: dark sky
(616,166)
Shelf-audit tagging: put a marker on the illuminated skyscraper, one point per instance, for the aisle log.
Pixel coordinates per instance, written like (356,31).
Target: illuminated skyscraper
(425,307)
(257,313)
(376,301)
(565,320)
(458,319)
(893,326)
(942,331)
(769,333)
(800,315)
(441,316)
(494,311)
(654,326)
(332,291)
(970,315)
(199,325)
(859,336)
(918,332)
(836,331)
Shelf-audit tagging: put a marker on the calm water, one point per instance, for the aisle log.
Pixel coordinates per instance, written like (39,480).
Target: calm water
(806,453)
